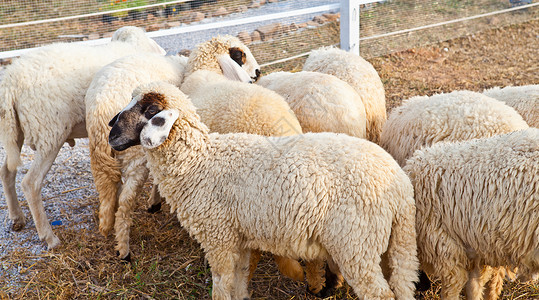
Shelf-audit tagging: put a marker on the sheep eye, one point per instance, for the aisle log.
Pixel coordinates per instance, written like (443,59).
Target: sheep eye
(151,111)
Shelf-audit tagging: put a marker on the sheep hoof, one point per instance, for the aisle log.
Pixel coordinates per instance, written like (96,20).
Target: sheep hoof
(18,225)
(323,293)
(154,208)
(126,259)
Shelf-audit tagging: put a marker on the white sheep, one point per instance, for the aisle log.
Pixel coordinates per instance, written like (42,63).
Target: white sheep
(264,112)
(361,75)
(457,116)
(321,102)
(108,93)
(42,104)
(323,195)
(524,99)
(477,208)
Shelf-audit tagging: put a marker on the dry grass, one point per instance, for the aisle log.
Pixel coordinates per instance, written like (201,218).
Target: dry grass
(167,263)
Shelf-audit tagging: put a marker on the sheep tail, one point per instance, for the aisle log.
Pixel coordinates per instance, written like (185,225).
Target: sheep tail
(11,135)
(402,253)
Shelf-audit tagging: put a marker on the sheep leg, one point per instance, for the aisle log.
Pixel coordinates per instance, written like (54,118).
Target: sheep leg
(31,186)
(15,212)
(477,277)
(108,200)
(315,276)
(223,264)
(8,182)
(367,280)
(453,281)
(155,200)
(242,276)
(289,267)
(135,175)
(495,286)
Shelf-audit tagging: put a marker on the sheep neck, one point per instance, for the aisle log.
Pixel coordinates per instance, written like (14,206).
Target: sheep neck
(186,145)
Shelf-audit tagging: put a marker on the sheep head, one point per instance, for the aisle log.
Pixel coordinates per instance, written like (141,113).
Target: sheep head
(225,55)
(148,119)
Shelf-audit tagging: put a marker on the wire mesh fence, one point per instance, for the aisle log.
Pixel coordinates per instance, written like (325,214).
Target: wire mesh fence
(273,29)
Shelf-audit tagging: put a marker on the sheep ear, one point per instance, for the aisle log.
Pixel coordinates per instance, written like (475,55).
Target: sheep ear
(156,131)
(157,48)
(232,70)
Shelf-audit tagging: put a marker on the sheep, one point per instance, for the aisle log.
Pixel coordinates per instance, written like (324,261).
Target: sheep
(460,115)
(323,195)
(321,102)
(524,99)
(108,93)
(42,104)
(477,208)
(225,55)
(226,106)
(111,89)
(361,75)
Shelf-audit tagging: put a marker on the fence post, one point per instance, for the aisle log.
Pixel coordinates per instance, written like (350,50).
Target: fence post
(350,25)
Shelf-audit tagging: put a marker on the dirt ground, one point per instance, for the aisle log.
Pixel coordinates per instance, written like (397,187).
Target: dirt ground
(168,264)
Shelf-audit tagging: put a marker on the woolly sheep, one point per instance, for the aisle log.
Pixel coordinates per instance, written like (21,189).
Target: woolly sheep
(322,195)
(456,116)
(321,102)
(225,55)
(111,89)
(361,75)
(524,99)
(477,207)
(229,106)
(109,92)
(42,104)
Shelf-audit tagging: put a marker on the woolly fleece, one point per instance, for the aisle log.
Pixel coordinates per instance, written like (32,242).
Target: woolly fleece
(321,102)
(322,194)
(477,205)
(361,75)
(42,105)
(110,91)
(524,99)
(457,116)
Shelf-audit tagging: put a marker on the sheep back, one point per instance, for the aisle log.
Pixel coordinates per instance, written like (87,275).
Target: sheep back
(456,116)
(230,106)
(524,99)
(321,102)
(478,200)
(361,75)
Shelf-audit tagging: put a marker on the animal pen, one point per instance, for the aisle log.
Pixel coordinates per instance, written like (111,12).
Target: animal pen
(280,33)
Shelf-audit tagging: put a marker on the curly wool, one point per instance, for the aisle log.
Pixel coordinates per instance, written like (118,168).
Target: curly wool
(231,106)
(42,105)
(321,102)
(524,99)
(318,195)
(110,90)
(457,116)
(361,75)
(477,205)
